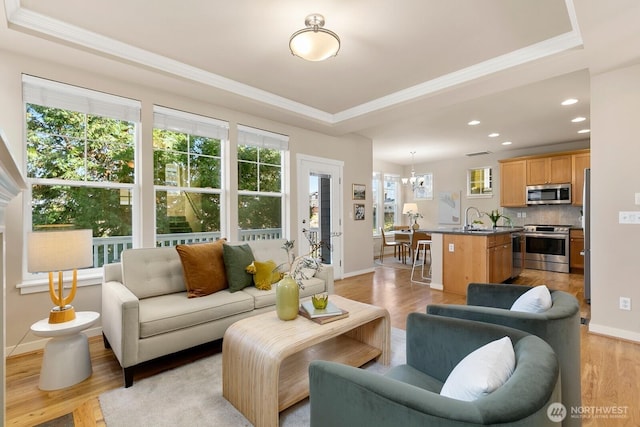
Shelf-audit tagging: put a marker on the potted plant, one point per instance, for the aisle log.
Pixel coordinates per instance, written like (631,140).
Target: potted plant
(494,216)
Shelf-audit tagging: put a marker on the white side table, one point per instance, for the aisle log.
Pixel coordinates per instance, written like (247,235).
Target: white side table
(66,359)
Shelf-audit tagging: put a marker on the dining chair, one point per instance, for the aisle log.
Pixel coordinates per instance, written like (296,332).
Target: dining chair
(398,247)
(421,242)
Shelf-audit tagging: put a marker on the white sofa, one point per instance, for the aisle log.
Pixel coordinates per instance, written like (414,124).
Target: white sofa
(146,312)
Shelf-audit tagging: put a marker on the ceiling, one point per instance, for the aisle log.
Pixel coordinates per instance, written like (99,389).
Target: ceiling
(409,75)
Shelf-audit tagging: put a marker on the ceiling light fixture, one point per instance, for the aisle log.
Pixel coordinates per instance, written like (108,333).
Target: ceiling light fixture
(507,143)
(413,180)
(314,43)
(578,119)
(474,122)
(494,134)
(569,101)
(584,131)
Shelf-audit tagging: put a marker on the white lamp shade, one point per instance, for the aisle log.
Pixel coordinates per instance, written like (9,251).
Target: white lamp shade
(314,45)
(59,250)
(410,207)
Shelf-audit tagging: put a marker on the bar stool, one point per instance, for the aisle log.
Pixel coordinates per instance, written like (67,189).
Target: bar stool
(422,245)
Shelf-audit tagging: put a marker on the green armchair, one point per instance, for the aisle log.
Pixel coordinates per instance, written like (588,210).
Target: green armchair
(559,326)
(408,395)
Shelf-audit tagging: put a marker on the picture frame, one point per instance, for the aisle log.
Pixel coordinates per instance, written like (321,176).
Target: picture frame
(359,191)
(358,212)
(423,189)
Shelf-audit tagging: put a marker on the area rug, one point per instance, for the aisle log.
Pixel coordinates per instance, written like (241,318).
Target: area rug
(191,395)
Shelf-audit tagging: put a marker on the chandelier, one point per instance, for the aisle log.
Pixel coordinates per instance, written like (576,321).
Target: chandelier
(414,181)
(314,43)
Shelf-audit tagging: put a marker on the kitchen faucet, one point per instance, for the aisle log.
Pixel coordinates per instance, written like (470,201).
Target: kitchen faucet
(466,217)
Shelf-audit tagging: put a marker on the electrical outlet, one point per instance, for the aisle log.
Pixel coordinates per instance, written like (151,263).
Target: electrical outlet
(451,247)
(524,214)
(625,303)
(519,214)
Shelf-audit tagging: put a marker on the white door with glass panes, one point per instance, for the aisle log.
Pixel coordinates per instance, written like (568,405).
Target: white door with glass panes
(319,209)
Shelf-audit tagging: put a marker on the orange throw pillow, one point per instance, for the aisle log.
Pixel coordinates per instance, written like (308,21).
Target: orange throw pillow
(203,268)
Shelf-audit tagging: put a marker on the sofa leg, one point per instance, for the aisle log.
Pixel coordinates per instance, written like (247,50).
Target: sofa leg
(106,341)
(128,376)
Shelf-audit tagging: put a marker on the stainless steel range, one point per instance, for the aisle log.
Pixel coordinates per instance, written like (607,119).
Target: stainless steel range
(547,247)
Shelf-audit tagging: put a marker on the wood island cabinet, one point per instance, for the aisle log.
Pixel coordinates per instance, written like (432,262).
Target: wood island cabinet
(513,182)
(576,246)
(471,258)
(549,170)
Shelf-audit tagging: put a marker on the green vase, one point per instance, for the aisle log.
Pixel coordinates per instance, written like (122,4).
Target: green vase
(287,298)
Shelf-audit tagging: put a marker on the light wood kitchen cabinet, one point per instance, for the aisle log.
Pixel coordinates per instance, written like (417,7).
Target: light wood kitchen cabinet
(579,162)
(549,170)
(475,258)
(576,246)
(513,182)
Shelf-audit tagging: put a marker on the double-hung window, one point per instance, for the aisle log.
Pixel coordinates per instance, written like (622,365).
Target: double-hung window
(80,150)
(391,201)
(188,169)
(261,179)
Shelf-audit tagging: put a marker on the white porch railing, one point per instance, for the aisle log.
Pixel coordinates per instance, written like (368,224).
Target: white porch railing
(107,250)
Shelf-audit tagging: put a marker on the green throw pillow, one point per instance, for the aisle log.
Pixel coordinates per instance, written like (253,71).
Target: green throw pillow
(236,259)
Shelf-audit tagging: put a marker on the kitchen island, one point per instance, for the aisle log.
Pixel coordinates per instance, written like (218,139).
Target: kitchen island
(460,257)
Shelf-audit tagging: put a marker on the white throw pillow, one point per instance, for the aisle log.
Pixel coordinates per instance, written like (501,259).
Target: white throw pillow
(535,300)
(481,372)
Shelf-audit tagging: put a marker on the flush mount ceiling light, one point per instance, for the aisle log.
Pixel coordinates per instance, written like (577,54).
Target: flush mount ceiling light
(314,43)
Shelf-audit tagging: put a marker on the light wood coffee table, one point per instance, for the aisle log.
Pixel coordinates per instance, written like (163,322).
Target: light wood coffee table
(265,360)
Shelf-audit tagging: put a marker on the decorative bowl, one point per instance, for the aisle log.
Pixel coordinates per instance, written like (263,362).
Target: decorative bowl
(320,301)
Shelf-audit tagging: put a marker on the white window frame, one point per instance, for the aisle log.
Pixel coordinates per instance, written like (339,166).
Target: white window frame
(53,94)
(260,138)
(481,195)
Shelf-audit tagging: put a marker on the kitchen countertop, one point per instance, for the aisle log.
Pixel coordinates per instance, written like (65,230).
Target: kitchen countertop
(474,232)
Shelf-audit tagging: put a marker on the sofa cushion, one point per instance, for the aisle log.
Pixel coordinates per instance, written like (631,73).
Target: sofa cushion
(265,274)
(149,272)
(203,267)
(535,300)
(269,249)
(481,371)
(236,260)
(175,311)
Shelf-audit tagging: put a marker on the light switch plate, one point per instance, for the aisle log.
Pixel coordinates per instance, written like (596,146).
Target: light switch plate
(629,217)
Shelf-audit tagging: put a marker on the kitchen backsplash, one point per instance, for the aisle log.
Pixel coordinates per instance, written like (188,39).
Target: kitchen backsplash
(546,214)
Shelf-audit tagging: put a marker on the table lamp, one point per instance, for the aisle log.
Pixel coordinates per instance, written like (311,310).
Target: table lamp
(50,251)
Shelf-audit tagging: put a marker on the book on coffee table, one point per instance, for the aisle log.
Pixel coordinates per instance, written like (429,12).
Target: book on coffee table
(320,316)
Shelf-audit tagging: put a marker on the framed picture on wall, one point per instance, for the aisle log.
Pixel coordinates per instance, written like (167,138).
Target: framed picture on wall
(359,191)
(358,212)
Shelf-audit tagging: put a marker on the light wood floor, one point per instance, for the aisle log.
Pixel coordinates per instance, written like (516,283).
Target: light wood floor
(610,367)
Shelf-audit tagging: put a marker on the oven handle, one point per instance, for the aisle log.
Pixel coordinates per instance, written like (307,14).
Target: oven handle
(550,236)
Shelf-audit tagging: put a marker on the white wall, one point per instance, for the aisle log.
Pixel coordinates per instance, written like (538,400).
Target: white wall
(615,153)
(24,310)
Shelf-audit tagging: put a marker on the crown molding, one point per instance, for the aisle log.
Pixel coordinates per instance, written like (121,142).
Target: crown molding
(23,18)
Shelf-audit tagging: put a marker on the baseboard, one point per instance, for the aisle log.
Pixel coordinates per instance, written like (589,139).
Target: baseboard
(614,332)
(358,272)
(41,342)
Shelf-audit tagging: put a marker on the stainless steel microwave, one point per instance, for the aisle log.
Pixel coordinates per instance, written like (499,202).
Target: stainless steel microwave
(549,194)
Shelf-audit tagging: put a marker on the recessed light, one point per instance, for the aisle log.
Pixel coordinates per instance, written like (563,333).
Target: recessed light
(579,119)
(474,122)
(584,131)
(493,135)
(569,101)
(507,143)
